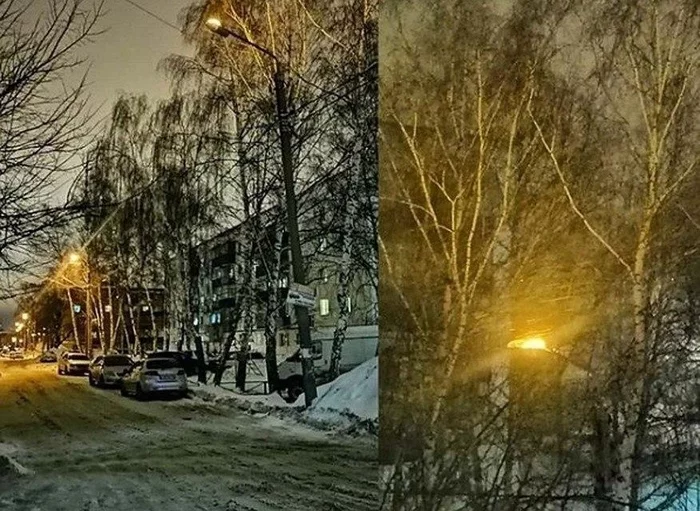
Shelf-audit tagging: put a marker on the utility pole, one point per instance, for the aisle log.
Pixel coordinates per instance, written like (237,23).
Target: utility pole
(302,314)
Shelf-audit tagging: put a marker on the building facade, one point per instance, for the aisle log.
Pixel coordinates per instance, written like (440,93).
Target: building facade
(220,263)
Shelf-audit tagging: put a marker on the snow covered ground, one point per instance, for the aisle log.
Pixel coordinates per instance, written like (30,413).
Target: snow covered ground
(349,404)
(67,446)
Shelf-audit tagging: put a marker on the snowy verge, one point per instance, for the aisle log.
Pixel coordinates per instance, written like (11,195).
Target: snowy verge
(346,406)
(352,397)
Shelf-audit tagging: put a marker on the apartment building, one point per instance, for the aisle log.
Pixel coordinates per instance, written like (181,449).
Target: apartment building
(222,259)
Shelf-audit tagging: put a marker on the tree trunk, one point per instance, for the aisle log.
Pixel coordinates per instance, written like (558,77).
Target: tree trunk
(344,269)
(112,327)
(241,368)
(137,343)
(226,349)
(201,364)
(248,322)
(99,314)
(342,324)
(72,317)
(154,330)
(244,290)
(125,334)
(272,314)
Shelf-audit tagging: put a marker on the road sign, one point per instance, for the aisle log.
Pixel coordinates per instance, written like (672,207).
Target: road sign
(301,295)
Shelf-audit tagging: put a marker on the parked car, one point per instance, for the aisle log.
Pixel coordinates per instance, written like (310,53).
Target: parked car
(155,376)
(184,358)
(108,369)
(73,363)
(48,356)
(17,355)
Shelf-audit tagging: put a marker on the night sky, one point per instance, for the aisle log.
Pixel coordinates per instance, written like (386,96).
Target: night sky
(126,56)
(124,59)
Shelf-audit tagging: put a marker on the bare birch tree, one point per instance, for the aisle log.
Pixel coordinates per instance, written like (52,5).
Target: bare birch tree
(647,76)
(43,115)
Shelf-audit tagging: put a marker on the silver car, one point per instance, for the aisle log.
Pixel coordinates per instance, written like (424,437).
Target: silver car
(108,369)
(155,376)
(73,363)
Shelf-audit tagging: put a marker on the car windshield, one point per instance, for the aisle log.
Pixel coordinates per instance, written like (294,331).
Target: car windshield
(78,357)
(166,354)
(162,363)
(117,360)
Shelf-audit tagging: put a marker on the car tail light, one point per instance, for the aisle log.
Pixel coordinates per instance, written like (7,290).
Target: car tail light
(151,373)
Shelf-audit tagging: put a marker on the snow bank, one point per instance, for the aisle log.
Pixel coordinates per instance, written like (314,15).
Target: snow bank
(228,396)
(348,405)
(353,394)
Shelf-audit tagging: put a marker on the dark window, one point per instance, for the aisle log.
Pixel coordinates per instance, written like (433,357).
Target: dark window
(164,363)
(165,354)
(117,360)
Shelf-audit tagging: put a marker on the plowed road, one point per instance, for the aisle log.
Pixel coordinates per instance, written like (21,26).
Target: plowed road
(91,449)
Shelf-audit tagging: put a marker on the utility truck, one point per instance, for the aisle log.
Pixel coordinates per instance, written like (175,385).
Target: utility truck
(360,345)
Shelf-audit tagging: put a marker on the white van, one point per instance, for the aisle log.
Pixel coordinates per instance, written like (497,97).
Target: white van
(360,345)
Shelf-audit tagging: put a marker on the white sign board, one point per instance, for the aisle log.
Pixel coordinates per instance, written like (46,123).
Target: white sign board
(301,295)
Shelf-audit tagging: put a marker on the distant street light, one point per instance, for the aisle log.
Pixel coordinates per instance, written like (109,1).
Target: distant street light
(74,258)
(302,314)
(25,316)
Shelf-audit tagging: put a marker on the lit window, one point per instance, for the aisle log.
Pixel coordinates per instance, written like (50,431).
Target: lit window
(108,308)
(284,282)
(324,307)
(144,308)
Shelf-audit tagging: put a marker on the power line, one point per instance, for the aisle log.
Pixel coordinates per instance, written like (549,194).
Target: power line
(154,15)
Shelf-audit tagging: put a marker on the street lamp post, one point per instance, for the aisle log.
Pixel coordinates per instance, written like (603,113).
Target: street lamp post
(302,313)
(25,322)
(75,258)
